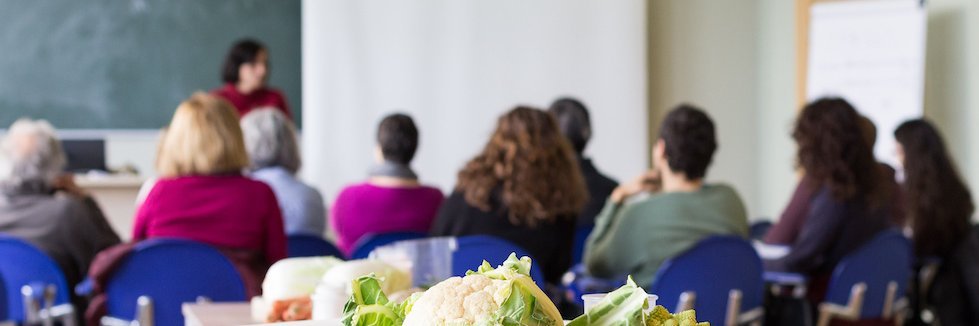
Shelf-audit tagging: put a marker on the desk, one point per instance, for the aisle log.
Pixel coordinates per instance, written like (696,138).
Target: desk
(116,195)
(232,314)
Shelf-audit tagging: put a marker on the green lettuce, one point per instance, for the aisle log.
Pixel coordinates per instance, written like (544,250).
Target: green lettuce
(369,306)
(625,307)
(525,304)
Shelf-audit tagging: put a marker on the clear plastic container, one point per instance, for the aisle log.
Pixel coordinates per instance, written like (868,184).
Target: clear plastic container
(430,260)
(593,299)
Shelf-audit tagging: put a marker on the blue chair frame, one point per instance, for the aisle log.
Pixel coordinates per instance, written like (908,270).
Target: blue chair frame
(472,250)
(720,277)
(369,242)
(870,282)
(165,273)
(303,245)
(22,264)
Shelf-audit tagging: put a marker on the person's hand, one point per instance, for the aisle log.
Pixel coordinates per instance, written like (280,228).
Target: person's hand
(646,182)
(66,183)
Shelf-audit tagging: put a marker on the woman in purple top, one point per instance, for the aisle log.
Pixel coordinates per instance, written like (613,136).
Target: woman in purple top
(392,199)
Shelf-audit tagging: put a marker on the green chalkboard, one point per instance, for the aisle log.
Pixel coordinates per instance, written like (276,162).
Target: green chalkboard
(126,64)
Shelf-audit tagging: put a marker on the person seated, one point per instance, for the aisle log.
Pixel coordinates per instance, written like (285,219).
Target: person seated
(202,195)
(850,203)
(573,119)
(42,205)
(940,209)
(524,187)
(635,235)
(786,230)
(270,139)
(392,199)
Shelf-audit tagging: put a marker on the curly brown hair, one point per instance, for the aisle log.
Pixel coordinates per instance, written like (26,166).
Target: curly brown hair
(833,150)
(939,203)
(531,165)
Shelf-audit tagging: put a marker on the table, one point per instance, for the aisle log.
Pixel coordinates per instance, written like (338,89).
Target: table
(232,314)
(116,196)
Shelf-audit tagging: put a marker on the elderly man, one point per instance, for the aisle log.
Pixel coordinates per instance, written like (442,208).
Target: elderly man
(43,206)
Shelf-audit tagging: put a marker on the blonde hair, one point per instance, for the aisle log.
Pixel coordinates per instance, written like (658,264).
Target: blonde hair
(203,138)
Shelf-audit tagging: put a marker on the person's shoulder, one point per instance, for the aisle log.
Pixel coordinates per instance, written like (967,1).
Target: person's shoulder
(432,191)
(225,91)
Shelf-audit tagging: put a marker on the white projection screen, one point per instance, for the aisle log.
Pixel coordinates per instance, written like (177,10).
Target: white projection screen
(455,66)
(871,52)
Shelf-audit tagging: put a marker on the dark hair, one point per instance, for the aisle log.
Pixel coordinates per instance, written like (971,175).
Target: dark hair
(939,203)
(398,138)
(532,166)
(688,134)
(242,52)
(572,118)
(833,150)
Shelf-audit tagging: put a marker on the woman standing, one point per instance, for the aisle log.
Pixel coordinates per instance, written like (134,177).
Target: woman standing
(245,72)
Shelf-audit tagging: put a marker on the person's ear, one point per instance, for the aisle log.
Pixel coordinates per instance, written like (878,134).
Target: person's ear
(378,154)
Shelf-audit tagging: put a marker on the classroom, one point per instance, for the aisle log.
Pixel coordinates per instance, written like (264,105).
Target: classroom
(446,162)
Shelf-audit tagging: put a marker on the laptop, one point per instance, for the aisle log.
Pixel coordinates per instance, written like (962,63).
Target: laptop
(84,155)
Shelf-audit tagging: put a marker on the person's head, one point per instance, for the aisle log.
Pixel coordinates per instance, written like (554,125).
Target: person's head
(246,65)
(939,202)
(686,143)
(531,166)
(397,139)
(30,152)
(572,118)
(270,139)
(203,138)
(833,150)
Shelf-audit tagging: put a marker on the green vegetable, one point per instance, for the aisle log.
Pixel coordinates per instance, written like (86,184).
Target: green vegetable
(624,307)
(525,303)
(369,306)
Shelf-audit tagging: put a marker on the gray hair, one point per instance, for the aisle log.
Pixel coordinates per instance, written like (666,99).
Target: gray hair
(270,139)
(31,151)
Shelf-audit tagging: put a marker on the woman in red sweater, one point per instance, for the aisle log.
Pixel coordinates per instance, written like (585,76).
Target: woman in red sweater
(202,196)
(245,72)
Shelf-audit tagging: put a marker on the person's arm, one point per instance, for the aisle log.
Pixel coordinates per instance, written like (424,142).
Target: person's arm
(786,230)
(610,250)
(282,104)
(90,233)
(818,233)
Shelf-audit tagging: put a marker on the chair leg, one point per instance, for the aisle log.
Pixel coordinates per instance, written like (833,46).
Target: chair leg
(733,307)
(686,302)
(144,311)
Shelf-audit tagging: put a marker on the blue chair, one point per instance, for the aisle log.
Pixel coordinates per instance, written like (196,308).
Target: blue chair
(580,238)
(367,243)
(32,277)
(720,277)
(159,275)
(301,245)
(870,282)
(472,250)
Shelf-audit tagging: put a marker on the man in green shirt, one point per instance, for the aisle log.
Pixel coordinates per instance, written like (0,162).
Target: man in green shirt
(634,234)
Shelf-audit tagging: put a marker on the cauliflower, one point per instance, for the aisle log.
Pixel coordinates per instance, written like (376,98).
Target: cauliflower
(487,297)
(459,299)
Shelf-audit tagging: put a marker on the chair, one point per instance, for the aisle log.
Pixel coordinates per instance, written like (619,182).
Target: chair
(301,245)
(3,305)
(472,250)
(720,277)
(368,242)
(758,229)
(580,238)
(868,283)
(160,274)
(36,289)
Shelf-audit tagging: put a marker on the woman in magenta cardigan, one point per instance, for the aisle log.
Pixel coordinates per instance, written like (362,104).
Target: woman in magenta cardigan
(202,196)
(392,199)
(245,72)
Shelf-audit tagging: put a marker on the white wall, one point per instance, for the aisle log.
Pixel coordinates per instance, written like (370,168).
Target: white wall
(456,66)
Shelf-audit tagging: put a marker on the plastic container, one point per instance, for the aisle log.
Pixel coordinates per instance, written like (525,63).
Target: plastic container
(593,299)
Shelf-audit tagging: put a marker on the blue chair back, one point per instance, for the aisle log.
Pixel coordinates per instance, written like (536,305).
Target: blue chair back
(472,250)
(302,245)
(367,243)
(886,258)
(21,264)
(171,272)
(711,269)
(580,238)
(759,229)
(4,307)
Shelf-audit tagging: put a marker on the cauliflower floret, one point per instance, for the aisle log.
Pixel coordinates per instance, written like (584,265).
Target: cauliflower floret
(458,300)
